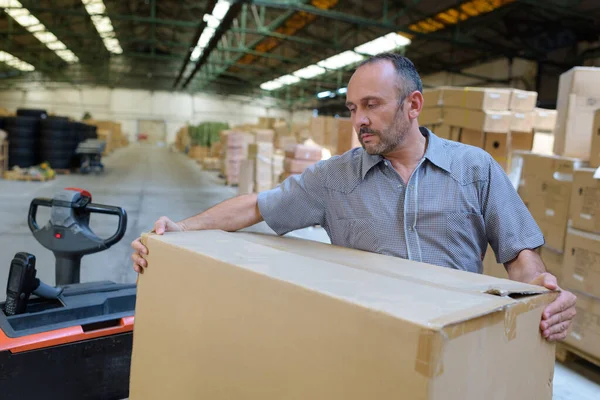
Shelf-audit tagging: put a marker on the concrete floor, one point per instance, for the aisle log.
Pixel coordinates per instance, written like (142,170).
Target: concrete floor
(149,182)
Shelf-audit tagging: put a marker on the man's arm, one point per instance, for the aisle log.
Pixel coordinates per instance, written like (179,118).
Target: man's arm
(231,215)
(528,267)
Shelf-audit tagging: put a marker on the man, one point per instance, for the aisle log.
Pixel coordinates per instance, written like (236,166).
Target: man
(406,193)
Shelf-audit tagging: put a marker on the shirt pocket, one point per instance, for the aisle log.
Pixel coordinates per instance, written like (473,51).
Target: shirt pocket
(356,233)
(466,240)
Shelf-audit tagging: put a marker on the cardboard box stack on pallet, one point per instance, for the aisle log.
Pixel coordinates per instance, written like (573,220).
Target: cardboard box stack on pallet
(182,138)
(562,191)
(334,134)
(498,120)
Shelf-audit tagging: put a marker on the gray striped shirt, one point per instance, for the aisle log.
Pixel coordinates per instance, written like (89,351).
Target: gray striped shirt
(457,201)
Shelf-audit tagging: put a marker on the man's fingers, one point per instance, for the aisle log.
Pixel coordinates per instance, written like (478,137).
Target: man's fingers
(563,302)
(160,226)
(557,328)
(139,247)
(566,315)
(558,337)
(139,260)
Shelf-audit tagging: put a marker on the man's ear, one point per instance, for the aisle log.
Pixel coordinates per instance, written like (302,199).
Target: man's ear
(415,104)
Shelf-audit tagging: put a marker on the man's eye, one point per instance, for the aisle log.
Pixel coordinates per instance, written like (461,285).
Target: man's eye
(371,105)
(352,110)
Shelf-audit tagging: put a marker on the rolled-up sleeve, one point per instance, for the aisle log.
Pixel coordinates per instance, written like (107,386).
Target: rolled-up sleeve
(509,225)
(298,202)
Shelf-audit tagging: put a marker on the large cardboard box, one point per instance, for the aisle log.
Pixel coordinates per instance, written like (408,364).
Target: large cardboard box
(585,329)
(522,100)
(246,177)
(521,141)
(545,186)
(476,98)
(304,152)
(578,99)
(442,130)
(585,201)
(595,147)
(262,317)
(347,139)
(544,119)
(433,98)
(522,121)
(486,121)
(455,133)
(431,116)
(472,137)
(296,166)
(581,267)
(264,135)
(498,145)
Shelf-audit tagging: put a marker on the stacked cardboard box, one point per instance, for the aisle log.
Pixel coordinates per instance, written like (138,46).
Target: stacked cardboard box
(261,155)
(578,100)
(320,321)
(278,165)
(235,152)
(198,153)
(432,114)
(299,157)
(182,138)
(581,266)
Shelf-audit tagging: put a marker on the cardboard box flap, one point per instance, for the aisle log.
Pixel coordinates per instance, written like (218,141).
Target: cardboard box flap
(434,304)
(397,267)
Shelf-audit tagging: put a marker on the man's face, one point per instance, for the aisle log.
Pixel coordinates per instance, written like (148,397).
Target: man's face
(373,101)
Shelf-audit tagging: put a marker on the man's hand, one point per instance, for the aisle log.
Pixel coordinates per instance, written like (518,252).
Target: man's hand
(161,226)
(557,317)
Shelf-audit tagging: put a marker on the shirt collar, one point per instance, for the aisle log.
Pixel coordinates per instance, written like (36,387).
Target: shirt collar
(435,153)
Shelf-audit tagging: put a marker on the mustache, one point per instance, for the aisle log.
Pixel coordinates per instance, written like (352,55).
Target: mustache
(369,131)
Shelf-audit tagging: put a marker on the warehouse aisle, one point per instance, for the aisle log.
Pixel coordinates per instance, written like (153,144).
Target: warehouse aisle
(149,182)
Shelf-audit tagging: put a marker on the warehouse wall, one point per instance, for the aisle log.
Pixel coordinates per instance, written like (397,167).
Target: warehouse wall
(130,106)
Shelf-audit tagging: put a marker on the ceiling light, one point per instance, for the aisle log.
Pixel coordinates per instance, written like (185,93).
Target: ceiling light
(322,95)
(342,90)
(15,62)
(212,24)
(96,9)
(382,44)
(271,85)
(33,25)
(309,72)
(340,60)
(288,79)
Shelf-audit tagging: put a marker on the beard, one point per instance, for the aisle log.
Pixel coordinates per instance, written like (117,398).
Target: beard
(389,138)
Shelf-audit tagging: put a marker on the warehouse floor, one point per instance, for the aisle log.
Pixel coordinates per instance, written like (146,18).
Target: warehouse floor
(149,182)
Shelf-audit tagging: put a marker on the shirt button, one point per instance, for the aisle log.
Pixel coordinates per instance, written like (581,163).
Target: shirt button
(399,186)
(410,228)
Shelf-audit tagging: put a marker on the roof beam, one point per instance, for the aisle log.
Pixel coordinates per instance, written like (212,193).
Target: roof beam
(225,24)
(209,9)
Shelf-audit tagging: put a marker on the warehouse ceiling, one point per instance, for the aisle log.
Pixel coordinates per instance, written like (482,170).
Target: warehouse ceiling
(246,47)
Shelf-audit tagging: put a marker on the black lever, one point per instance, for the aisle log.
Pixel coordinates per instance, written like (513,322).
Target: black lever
(22,282)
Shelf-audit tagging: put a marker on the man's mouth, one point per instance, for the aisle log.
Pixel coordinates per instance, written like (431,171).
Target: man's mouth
(366,136)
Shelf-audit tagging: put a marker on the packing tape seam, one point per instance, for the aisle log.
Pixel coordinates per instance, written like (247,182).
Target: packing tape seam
(431,343)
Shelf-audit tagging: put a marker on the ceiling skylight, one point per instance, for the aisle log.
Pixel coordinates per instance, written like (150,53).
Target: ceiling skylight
(15,62)
(212,23)
(24,18)
(96,9)
(382,44)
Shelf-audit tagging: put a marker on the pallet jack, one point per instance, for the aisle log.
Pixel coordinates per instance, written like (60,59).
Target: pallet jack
(73,340)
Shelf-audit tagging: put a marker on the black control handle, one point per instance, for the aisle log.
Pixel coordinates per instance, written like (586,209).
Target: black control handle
(33,207)
(111,210)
